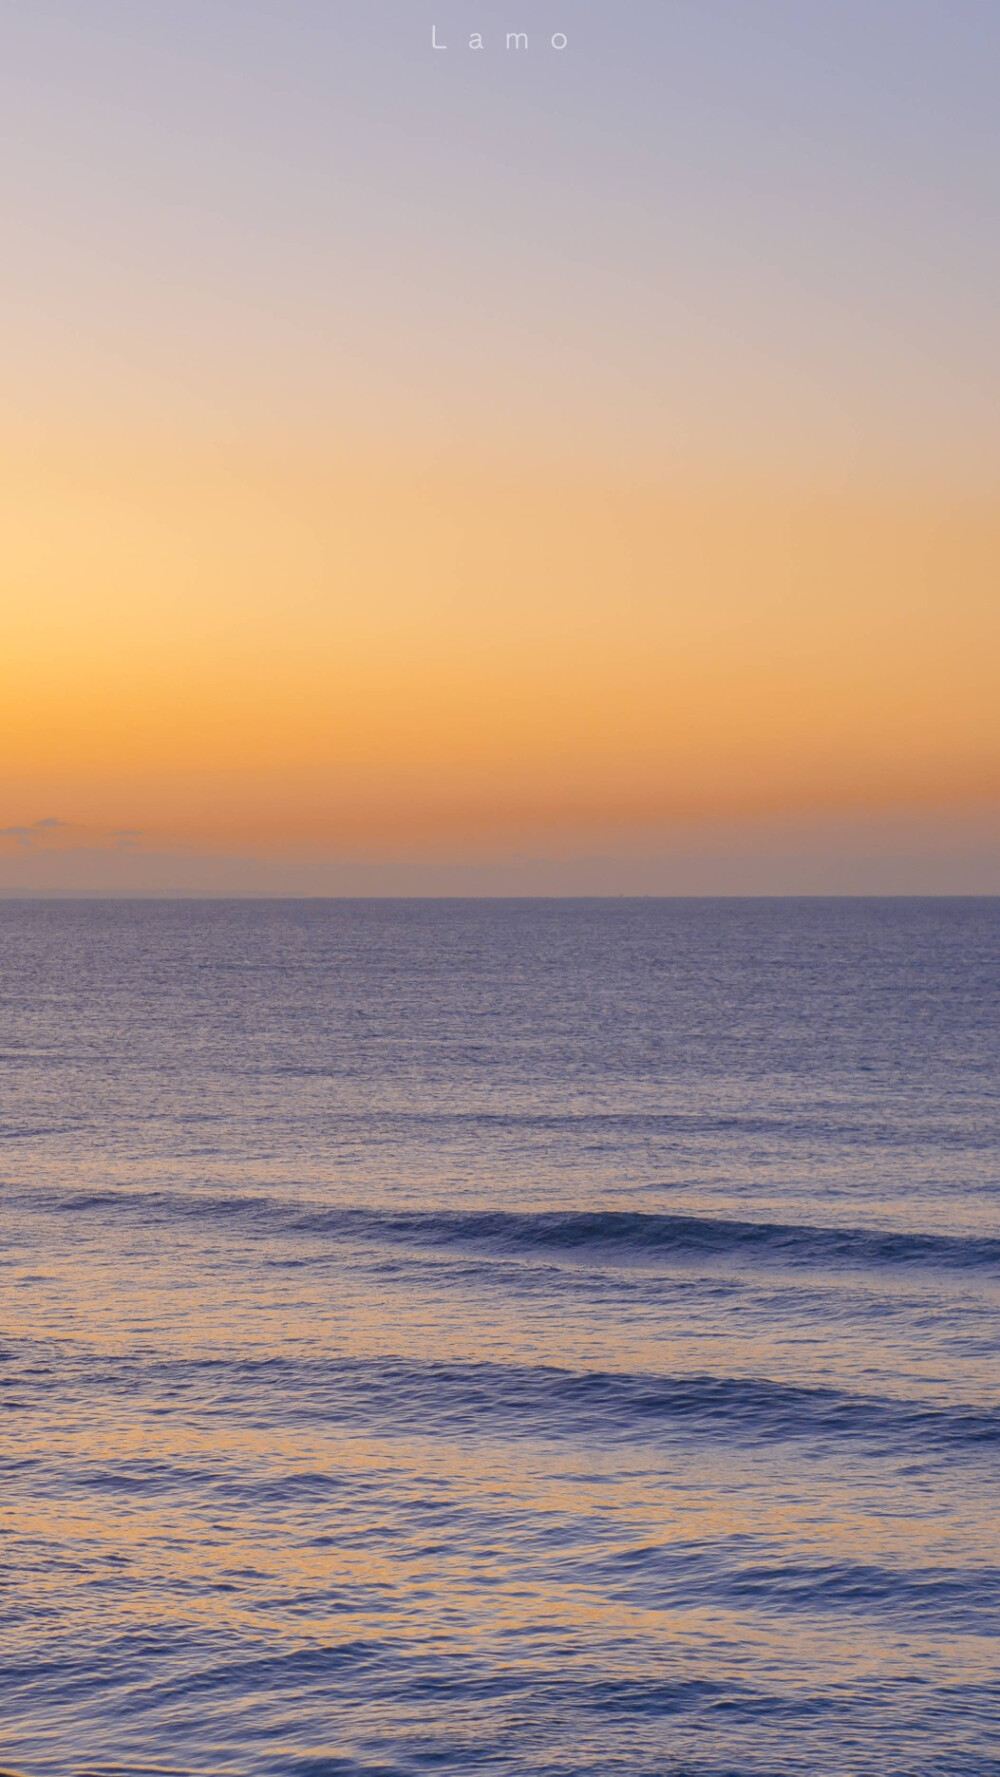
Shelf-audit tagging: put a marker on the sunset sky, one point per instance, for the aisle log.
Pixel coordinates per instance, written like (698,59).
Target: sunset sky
(499,471)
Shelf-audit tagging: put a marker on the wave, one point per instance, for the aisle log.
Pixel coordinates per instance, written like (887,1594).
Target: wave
(393,1396)
(640,1236)
(625,1235)
(961,1599)
(624,1405)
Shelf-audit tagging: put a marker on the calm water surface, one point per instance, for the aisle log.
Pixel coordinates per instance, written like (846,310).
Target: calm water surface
(528,1338)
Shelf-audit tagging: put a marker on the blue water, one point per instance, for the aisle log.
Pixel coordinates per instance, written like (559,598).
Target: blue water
(536,1338)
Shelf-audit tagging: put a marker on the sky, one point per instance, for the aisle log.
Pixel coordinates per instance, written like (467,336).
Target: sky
(569,468)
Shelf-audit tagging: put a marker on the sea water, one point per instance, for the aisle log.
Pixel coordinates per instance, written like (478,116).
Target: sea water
(534,1338)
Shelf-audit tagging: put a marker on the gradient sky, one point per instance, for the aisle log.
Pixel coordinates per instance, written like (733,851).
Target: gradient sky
(558,470)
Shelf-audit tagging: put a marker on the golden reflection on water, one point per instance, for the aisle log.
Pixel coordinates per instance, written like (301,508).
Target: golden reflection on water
(287,1477)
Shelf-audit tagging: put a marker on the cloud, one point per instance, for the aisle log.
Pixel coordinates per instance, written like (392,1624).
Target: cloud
(36,830)
(51,834)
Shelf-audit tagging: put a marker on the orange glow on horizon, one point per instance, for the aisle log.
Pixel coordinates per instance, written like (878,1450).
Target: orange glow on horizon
(290,651)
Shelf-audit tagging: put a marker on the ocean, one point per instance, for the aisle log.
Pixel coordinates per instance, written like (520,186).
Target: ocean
(530,1338)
